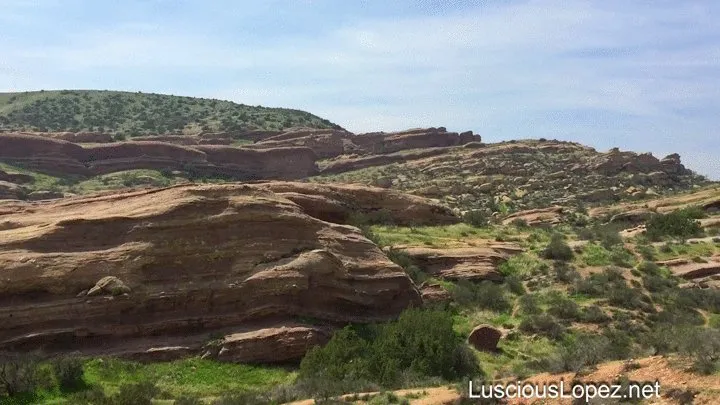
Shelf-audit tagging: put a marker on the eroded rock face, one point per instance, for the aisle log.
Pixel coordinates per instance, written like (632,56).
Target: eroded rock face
(434,293)
(474,264)
(197,258)
(541,217)
(10,191)
(64,158)
(18,178)
(338,202)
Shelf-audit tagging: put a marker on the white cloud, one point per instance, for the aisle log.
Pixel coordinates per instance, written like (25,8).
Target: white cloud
(511,69)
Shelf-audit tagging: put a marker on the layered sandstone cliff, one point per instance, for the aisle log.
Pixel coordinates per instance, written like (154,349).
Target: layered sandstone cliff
(143,272)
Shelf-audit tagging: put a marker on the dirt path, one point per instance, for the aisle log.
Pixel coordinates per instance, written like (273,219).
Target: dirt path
(428,396)
(673,375)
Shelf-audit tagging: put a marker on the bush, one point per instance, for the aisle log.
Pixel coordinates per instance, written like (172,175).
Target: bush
(563,307)
(420,343)
(649,268)
(608,236)
(704,346)
(680,224)
(68,373)
(476,218)
(647,252)
(485,295)
(557,249)
(19,374)
(141,393)
(619,256)
(529,304)
(565,273)
(594,314)
(542,324)
(514,285)
(404,260)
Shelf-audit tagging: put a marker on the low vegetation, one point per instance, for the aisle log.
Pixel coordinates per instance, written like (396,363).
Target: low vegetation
(129,114)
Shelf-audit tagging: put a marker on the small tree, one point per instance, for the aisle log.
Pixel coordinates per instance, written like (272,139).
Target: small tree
(557,249)
(18,374)
(68,372)
(680,224)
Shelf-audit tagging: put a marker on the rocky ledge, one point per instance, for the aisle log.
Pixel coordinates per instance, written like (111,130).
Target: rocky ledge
(157,272)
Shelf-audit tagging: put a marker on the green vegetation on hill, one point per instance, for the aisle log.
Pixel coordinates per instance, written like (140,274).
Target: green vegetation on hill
(129,114)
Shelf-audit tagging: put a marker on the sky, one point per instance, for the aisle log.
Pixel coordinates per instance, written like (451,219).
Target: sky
(642,75)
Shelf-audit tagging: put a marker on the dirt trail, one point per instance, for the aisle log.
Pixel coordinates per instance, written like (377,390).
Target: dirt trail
(673,375)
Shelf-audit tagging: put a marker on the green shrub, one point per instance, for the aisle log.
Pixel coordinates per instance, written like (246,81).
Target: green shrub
(704,347)
(476,218)
(514,285)
(565,273)
(343,357)
(404,260)
(529,304)
(420,343)
(647,252)
(485,295)
(649,268)
(519,223)
(608,236)
(563,308)
(19,374)
(68,373)
(680,224)
(542,324)
(557,249)
(596,255)
(594,314)
(141,393)
(619,256)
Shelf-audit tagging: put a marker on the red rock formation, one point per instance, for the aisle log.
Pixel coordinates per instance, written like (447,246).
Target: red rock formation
(43,154)
(537,217)
(195,259)
(278,163)
(115,157)
(463,263)
(338,202)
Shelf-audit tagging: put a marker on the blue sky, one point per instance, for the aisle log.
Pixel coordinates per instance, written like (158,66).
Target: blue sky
(638,74)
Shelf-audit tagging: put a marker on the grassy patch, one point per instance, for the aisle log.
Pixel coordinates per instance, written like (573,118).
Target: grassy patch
(431,236)
(204,378)
(677,250)
(595,255)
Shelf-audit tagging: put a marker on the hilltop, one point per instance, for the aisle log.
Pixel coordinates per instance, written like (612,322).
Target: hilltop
(133,114)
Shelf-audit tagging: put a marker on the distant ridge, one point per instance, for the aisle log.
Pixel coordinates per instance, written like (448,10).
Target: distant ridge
(133,114)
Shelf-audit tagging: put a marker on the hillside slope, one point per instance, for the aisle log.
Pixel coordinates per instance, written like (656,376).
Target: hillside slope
(131,114)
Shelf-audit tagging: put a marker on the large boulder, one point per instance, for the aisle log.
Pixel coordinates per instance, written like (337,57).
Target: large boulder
(485,338)
(277,344)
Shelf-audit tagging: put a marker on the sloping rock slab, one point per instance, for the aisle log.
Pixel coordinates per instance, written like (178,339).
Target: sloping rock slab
(691,270)
(271,345)
(474,264)
(537,217)
(338,202)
